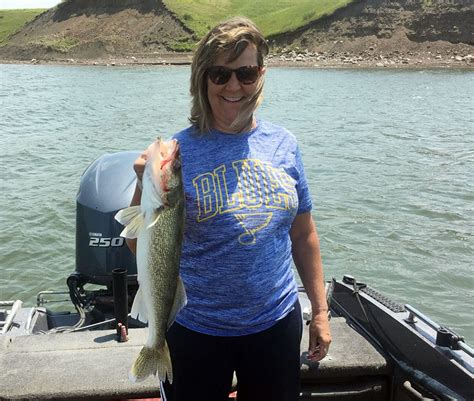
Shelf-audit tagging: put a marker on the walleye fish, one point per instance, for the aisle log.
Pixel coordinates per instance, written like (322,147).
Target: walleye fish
(158,225)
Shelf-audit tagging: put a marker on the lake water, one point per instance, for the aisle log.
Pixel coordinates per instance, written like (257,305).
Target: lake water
(389,156)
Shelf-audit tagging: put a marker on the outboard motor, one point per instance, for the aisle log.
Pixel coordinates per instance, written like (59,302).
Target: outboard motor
(106,186)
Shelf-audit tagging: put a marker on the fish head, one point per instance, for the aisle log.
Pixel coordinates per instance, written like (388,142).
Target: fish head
(165,164)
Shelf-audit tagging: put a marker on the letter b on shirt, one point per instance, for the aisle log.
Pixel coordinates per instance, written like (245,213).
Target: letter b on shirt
(206,193)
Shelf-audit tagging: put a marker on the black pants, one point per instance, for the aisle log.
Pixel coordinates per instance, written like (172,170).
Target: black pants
(267,364)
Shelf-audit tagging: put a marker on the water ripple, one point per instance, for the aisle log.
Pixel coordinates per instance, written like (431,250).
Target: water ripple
(389,157)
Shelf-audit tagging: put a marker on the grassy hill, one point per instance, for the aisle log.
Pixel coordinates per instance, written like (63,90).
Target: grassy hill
(95,29)
(272,16)
(12,20)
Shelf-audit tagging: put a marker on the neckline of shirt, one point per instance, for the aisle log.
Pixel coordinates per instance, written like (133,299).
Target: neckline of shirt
(217,132)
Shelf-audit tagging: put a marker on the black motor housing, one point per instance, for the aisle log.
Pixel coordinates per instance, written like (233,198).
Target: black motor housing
(106,186)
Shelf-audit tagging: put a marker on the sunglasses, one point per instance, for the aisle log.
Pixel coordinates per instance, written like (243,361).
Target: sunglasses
(246,75)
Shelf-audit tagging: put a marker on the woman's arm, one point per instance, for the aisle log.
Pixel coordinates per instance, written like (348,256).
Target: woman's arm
(307,258)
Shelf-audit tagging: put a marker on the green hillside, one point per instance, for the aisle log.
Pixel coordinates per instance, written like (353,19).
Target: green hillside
(272,16)
(12,20)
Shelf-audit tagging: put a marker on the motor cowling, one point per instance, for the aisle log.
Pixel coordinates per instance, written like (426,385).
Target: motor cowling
(106,187)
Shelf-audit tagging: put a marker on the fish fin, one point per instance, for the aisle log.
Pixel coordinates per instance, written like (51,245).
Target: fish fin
(152,361)
(125,216)
(133,220)
(139,310)
(156,216)
(179,302)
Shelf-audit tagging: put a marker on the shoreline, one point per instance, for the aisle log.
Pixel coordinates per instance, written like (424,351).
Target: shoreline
(317,61)
(362,35)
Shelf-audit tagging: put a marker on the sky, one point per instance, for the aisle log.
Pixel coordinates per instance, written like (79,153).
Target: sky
(9,4)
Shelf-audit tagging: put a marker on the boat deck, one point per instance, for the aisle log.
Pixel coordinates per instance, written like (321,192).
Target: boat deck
(93,365)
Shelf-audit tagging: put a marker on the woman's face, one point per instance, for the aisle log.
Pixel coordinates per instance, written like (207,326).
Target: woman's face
(227,99)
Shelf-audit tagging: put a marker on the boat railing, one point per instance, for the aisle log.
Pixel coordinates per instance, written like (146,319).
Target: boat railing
(8,315)
(41,300)
(445,336)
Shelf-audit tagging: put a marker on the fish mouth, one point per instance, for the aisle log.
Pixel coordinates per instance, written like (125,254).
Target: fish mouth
(173,150)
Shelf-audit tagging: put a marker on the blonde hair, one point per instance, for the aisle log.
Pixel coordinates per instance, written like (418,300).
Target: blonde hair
(231,38)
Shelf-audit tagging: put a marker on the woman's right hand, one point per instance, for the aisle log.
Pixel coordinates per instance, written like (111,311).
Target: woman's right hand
(139,166)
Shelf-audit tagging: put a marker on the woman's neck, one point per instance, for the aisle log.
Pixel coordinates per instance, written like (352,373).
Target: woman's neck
(229,129)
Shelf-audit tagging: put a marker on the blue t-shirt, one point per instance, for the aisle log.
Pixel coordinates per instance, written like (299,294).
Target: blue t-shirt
(243,192)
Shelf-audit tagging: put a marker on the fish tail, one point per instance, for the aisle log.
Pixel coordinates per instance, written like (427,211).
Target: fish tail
(152,361)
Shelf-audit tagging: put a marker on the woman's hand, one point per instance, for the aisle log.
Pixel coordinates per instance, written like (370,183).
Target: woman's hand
(139,167)
(319,336)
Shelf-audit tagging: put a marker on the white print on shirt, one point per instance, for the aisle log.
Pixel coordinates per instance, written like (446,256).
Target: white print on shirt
(257,186)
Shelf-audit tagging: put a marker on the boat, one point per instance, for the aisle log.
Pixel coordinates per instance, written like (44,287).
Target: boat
(83,348)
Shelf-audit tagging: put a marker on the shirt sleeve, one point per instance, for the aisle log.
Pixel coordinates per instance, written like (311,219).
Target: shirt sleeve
(304,196)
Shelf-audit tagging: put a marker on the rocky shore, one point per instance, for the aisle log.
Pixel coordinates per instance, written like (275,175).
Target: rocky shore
(396,51)
(369,58)
(366,52)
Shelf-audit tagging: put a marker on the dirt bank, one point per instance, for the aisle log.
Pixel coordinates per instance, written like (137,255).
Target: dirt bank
(91,29)
(368,33)
(386,33)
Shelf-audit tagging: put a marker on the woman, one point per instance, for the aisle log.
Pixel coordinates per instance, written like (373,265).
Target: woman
(248,212)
